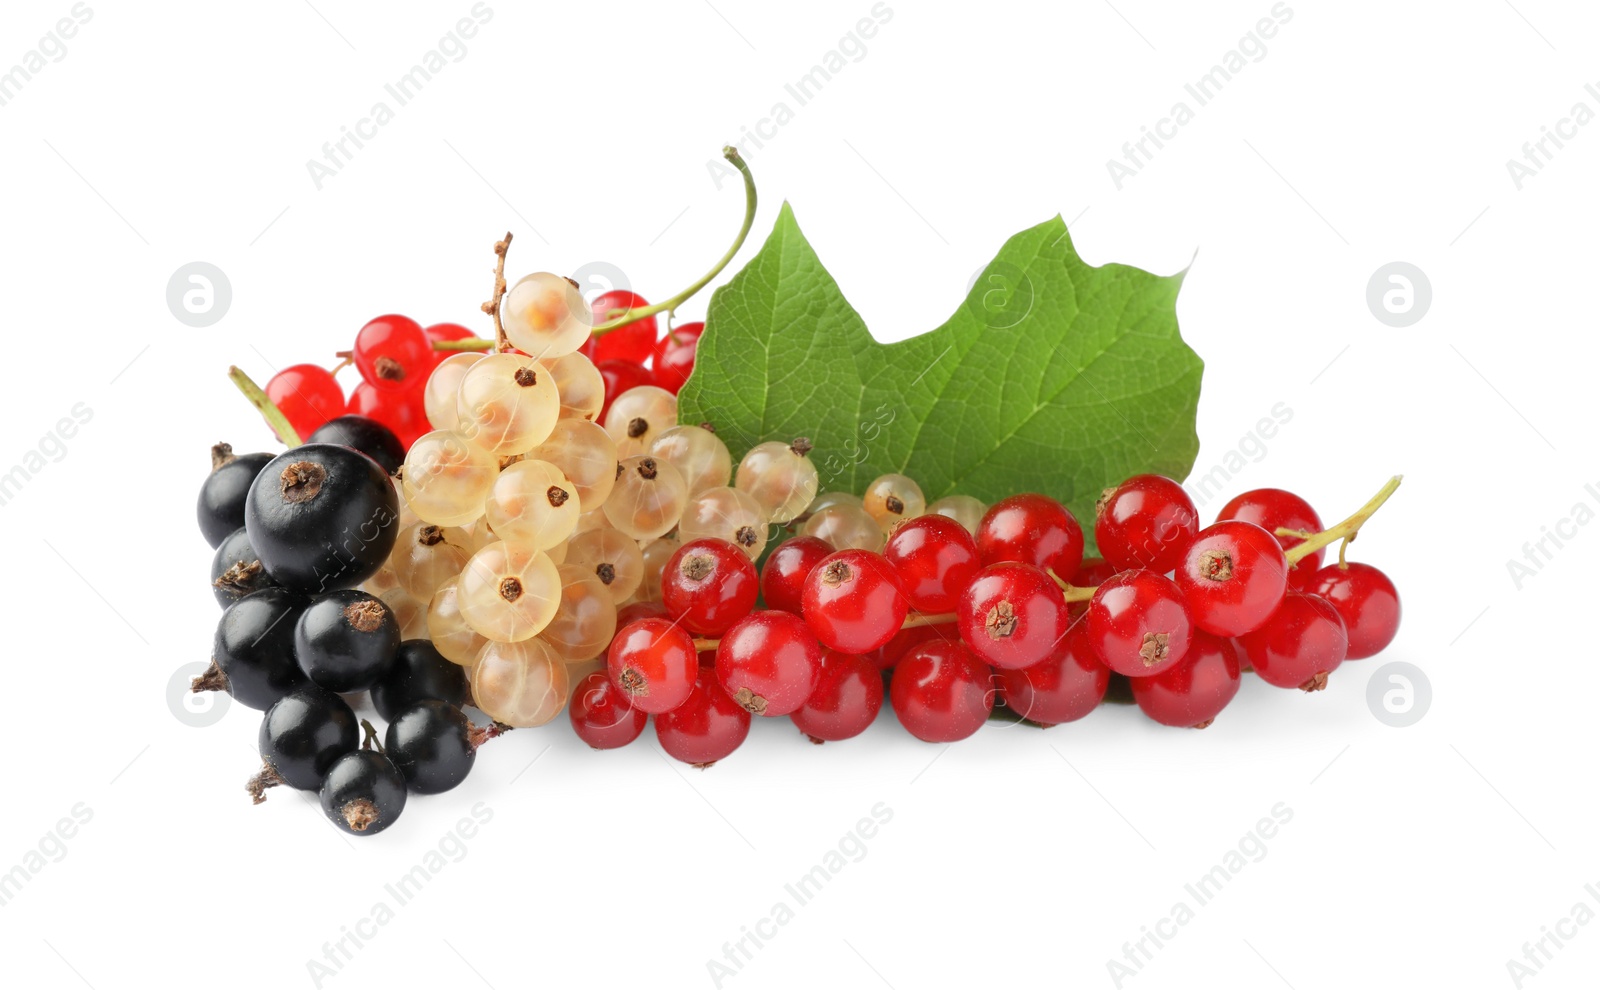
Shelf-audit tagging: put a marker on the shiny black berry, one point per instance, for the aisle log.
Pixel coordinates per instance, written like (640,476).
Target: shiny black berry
(322,517)
(222,494)
(301,737)
(432,743)
(366,435)
(236,569)
(252,654)
(363,793)
(346,640)
(419,673)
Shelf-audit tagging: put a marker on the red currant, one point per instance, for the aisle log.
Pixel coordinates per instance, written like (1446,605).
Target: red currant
(308,396)
(1034,529)
(634,611)
(1232,576)
(887,655)
(936,559)
(1367,602)
(1063,687)
(707,727)
(853,601)
(768,662)
(1272,509)
(1300,644)
(709,585)
(1147,521)
(845,701)
(783,576)
(602,715)
(630,342)
(1091,573)
(1193,692)
(674,355)
(393,354)
(619,376)
(1012,615)
(446,331)
(653,662)
(1138,623)
(402,412)
(941,692)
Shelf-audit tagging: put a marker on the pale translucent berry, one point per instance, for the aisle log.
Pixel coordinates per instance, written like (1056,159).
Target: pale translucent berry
(698,454)
(648,499)
(595,519)
(410,614)
(507,404)
(427,556)
(545,316)
(587,455)
(445,478)
(844,527)
(656,554)
(638,416)
(726,514)
(964,509)
(587,618)
(439,396)
(520,684)
(578,383)
(533,504)
(892,499)
(456,641)
(508,593)
(780,477)
(614,557)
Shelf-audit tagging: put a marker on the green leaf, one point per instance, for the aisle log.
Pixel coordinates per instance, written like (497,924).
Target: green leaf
(1054,376)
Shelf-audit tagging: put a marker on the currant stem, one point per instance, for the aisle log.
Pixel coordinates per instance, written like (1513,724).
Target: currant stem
(1346,530)
(1073,593)
(370,737)
(492,307)
(268,409)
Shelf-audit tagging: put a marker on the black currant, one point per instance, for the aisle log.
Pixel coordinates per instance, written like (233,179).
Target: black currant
(322,517)
(419,673)
(346,640)
(363,793)
(434,744)
(222,494)
(252,654)
(366,435)
(236,570)
(301,737)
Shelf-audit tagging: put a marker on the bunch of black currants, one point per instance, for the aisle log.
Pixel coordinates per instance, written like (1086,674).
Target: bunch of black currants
(294,535)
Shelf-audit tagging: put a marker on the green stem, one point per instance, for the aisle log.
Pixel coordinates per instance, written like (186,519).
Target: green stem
(269,411)
(1344,531)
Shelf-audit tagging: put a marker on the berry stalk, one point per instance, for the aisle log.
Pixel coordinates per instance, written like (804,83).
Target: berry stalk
(1345,531)
(268,409)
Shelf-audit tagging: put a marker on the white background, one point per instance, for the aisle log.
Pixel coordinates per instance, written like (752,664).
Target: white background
(1368,133)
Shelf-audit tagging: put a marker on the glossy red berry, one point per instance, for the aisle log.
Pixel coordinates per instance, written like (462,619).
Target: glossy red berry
(1033,529)
(1012,615)
(1091,573)
(887,655)
(393,354)
(846,700)
(707,727)
(634,611)
(1147,521)
(634,341)
(936,558)
(619,376)
(1193,692)
(768,663)
(653,663)
(1299,645)
(1272,509)
(602,715)
(1063,687)
(709,585)
(1232,576)
(1367,602)
(941,692)
(1139,624)
(853,601)
(401,412)
(783,576)
(446,331)
(674,355)
(307,395)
